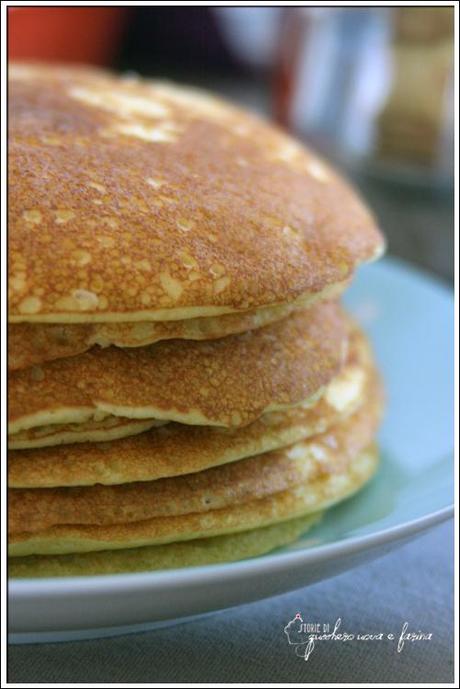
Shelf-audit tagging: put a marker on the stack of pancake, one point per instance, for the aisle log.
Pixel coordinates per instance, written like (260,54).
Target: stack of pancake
(184,386)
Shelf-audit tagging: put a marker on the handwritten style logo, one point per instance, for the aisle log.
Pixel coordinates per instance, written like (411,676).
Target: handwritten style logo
(305,635)
(298,638)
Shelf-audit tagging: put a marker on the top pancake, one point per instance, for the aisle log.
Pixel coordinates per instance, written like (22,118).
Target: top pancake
(135,201)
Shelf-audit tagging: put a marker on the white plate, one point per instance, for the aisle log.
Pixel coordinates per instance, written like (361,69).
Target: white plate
(409,317)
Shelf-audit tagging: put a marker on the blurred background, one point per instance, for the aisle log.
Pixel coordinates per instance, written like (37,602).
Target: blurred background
(370,88)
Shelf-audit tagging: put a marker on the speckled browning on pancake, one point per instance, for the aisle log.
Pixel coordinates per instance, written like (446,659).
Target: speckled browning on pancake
(224,486)
(225,382)
(177,449)
(32,344)
(306,498)
(134,200)
(203,551)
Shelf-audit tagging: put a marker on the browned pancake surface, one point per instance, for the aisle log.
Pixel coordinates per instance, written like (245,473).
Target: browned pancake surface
(217,488)
(225,382)
(304,498)
(177,449)
(134,200)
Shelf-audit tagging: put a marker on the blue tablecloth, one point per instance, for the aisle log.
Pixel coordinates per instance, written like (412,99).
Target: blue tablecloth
(248,644)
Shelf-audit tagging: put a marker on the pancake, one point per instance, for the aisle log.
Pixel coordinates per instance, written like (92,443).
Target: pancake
(235,483)
(31,344)
(304,498)
(204,551)
(96,430)
(176,449)
(135,200)
(226,382)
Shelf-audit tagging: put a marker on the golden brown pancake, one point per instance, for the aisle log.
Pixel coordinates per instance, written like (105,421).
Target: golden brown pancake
(226,382)
(203,551)
(304,498)
(30,344)
(101,430)
(236,483)
(176,449)
(133,200)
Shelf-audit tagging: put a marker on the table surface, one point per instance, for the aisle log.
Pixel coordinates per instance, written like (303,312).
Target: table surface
(247,644)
